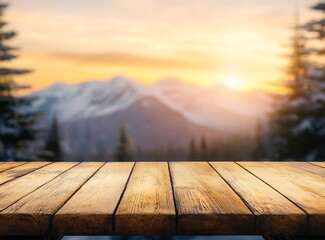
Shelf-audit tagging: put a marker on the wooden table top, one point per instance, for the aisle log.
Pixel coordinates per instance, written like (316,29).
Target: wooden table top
(160,198)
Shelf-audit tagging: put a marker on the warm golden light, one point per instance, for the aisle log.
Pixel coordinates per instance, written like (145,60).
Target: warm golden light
(234,82)
(69,43)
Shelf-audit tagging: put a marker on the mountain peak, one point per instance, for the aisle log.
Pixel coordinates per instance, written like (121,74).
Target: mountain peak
(213,106)
(90,99)
(120,80)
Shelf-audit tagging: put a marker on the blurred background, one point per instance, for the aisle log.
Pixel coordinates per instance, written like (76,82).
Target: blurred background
(162,80)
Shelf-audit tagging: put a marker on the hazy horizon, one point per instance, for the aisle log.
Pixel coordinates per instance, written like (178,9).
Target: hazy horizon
(169,80)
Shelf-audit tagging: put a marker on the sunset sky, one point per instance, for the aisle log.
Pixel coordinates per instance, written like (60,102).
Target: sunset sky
(234,42)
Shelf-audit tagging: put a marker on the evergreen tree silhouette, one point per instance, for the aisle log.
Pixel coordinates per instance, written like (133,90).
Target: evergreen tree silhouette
(192,151)
(204,149)
(17,121)
(299,120)
(53,146)
(123,150)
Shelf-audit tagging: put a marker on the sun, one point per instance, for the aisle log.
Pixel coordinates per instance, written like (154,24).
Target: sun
(234,82)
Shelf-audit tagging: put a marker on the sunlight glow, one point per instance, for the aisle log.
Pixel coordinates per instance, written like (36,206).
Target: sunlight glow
(199,43)
(234,82)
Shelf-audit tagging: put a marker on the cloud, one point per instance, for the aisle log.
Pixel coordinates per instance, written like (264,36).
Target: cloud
(198,40)
(182,61)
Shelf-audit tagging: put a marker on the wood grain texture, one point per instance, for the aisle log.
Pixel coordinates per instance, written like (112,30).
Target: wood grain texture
(147,206)
(20,171)
(81,199)
(320,164)
(90,211)
(274,213)
(31,215)
(308,167)
(8,165)
(205,202)
(305,189)
(12,191)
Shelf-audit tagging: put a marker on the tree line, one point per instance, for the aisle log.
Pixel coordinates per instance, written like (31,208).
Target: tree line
(239,147)
(295,130)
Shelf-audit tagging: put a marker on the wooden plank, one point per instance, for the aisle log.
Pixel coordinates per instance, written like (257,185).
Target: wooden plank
(20,171)
(147,206)
(12,191)
(307,190)
(308,167)
(31,215)
(320,164)
(206,204)
(90,211)
(8,165)
(274,213)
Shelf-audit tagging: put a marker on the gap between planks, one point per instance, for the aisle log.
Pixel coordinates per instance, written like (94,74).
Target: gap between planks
(147,206)
(205,202)
(274,213)
(308,167)
(303,188)
(172,184)
(90,210)
(8,165)
(22,170)
(20,188)
(320,164)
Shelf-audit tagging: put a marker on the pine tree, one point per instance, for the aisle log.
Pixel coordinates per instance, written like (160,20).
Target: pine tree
(290,109)
(192,151)
(123,150)
(53,146)
(298,124)
(316,115)
(318,26)
(16,121)
(204,149)
(260,151)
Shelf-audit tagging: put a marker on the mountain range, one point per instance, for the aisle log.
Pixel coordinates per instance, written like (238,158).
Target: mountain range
(168,113)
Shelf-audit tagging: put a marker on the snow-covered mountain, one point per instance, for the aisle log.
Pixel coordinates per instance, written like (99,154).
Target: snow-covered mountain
(216,107)
(169,112)
(88,99)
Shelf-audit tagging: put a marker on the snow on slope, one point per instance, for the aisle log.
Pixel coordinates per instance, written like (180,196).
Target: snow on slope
(89,99)
(216,107)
